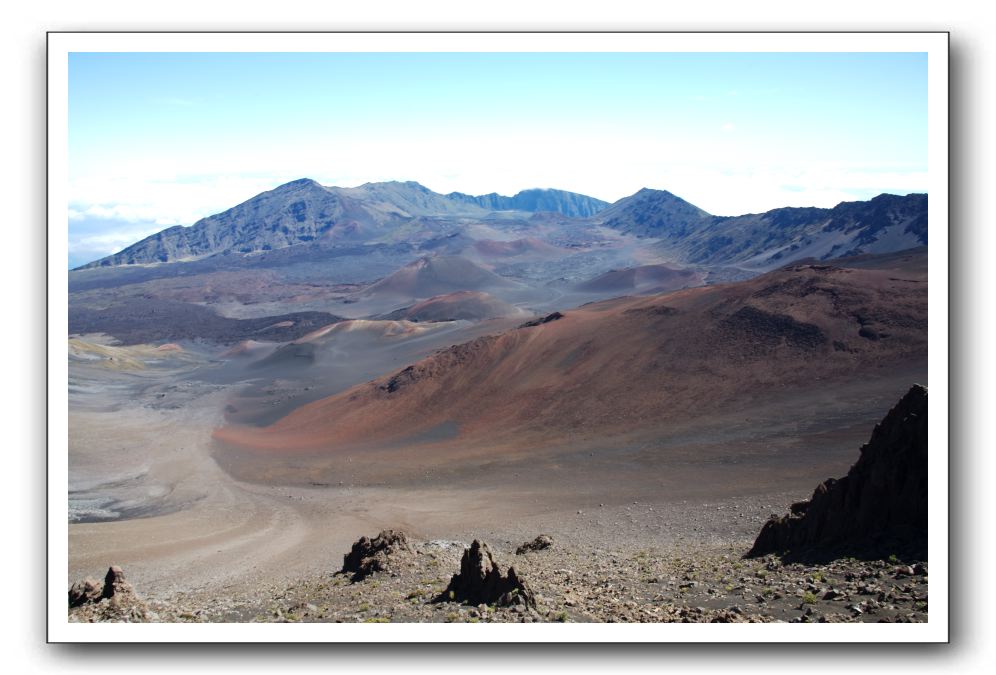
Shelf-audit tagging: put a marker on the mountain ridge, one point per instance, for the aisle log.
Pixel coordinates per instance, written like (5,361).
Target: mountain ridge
(303,211)
(570,204)
(310,216)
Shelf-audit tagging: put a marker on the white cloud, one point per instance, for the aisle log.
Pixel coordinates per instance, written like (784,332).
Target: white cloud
(162,199)
(728,174)
(113,240)
(736,193)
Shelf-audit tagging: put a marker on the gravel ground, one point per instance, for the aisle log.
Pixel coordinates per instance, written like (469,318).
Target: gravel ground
(708,583)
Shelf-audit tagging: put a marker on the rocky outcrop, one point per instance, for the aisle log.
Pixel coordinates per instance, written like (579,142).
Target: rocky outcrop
(115,583)
(85,591)
(375,555)
(879,508)
(556,316)
(480,581)
(90,591)
(543,541)
(114,600)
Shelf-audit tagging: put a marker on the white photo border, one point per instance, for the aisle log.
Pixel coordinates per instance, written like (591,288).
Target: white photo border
(934,44)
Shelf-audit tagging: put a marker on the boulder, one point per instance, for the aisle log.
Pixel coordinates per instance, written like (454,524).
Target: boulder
(556,316)
(878,509)
(541,542)
(114,600)
(87,590)
(480,581)
(115,583)
(375,555)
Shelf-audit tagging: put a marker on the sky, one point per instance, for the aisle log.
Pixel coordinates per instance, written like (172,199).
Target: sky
(162,139)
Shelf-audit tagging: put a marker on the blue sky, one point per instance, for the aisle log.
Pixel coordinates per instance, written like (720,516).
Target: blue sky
(163,139)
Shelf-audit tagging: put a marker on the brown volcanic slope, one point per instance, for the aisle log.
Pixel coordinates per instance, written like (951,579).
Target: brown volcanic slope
(436,275)
(658,278)
(461,305)
(626,365)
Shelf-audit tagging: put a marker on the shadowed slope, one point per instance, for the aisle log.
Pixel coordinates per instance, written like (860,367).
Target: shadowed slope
(879,508)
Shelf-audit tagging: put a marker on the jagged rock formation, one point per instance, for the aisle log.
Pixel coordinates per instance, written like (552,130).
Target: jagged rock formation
(480,581)
(113,601)
(85,591)
(879,508)
(375,555)
(546,319)
(90,591)
(543,541)
(115,583)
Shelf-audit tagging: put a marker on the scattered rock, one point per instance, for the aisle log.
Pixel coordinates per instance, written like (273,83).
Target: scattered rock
(480,581)
(540,543)
(374,555)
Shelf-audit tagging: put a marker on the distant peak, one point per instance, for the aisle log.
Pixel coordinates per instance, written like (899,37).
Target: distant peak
(887,198)
(299,183)
(407,183)
(653,191)
(890,195)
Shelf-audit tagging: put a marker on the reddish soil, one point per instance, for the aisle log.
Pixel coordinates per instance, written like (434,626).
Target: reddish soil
(438,275)
(621,369)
